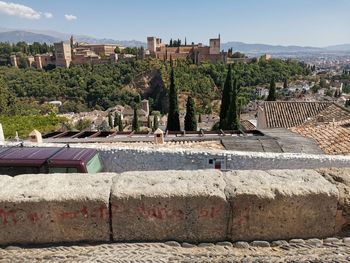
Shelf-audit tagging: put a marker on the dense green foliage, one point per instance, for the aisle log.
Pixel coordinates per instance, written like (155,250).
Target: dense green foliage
(173,123)
(229,112)
(22,49)
(190,118)
(110,120)
(272,91)
(79,87)
(135,121)
(83,124)
(149,122)
(25,124)
(120,123)
(226,98)
(233,116)
(155,123)
(87,87)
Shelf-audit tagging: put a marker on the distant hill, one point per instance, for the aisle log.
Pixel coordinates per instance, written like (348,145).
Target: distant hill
(29,37)
(344,47)
(14,36)
(262,48)
(49,36)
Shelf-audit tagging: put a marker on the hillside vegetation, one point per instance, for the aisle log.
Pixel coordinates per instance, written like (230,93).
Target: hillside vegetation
(88,87)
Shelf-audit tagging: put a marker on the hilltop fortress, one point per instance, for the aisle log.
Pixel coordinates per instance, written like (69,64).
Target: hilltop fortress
(66,53)
(80,53)
(196,52)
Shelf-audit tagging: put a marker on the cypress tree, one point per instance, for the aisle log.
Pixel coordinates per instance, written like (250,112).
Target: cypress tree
(120,123)
(116,120)
(149,124)
(285,84)
(232,122)
(155,123)
(190,118)
(226,98)
(200,118)
(272,91)
(173,123)
(135,121)
(110,120)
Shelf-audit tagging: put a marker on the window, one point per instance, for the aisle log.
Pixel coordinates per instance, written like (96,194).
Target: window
(218,164)
(16,170)
(94,165)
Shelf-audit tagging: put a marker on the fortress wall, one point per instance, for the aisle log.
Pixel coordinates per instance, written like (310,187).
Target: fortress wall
(192,206)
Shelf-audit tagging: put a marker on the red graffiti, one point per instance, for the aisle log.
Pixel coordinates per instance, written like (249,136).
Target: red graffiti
(101,212)
(210,212)
(161,213)
(74,214)
(35,217)
(6,215)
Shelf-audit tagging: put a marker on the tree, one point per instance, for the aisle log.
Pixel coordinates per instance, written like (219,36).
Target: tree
(116,120)
(110,120)
(83,124)
(120,123)
(200,118)
(233,112)
(149,123)
(285,84)
(226,98)
(272,91)
(117,50)
(190,118)
(173,123)
(135,121)
(155,123)
(7,99)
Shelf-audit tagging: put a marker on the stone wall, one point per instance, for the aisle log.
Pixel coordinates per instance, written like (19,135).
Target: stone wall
(186,206)
(128,159)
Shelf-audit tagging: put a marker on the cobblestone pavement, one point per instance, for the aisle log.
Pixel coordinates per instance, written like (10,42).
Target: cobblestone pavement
(296,251)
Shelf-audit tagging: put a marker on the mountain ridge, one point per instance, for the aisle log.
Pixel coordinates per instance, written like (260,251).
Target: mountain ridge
(49,36)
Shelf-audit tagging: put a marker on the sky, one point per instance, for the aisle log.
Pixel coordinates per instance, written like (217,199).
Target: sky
(316,23)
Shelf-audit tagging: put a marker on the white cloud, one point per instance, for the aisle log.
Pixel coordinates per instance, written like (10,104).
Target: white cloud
(48,15)
(23,11)
(70,17)
(13,9)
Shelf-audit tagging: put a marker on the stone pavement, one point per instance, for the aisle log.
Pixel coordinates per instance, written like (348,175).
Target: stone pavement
(313,250)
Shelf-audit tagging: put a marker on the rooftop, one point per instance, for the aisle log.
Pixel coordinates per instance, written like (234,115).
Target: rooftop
(286,114)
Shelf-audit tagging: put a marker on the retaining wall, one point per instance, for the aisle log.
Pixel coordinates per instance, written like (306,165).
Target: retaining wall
(127,159)
(192,206)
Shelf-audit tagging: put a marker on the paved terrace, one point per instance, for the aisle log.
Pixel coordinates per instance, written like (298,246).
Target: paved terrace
(314,250)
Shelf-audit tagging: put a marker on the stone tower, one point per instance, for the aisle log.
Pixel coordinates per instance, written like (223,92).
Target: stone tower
(152,44)
(13,59)
(214,44)
(38,62)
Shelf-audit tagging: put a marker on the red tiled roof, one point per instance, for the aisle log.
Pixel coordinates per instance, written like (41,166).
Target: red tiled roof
(333,113)
(332,138)
(286,114)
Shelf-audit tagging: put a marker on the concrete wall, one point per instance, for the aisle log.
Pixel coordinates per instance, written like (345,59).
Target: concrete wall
(127,159)
(187,206)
